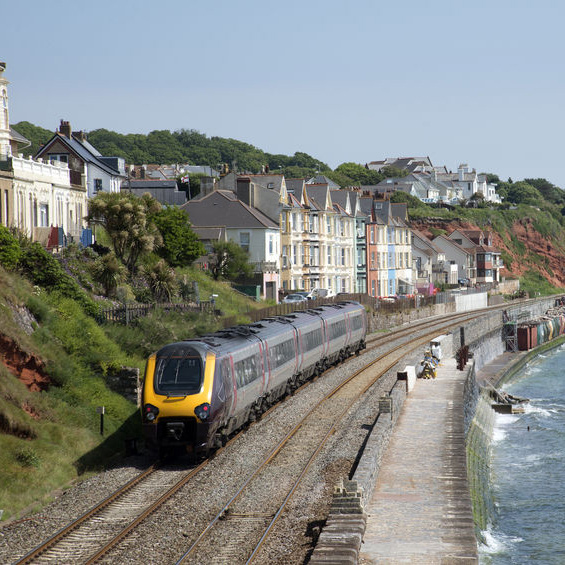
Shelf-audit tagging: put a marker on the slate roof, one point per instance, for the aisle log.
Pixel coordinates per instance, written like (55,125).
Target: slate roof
(295,186)
(18,137)
(222,208)
(340,197)
(322,179)
(266,180)
(82,150)
(150,183)
(318,194)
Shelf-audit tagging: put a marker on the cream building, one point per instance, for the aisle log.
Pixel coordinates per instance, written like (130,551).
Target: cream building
(35,197)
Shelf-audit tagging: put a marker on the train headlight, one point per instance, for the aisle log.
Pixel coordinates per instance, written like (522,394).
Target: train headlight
(150,412)
(202,411)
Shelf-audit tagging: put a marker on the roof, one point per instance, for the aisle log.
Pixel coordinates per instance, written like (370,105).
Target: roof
(322,179)
(222,208)
(426,240)
(82,150)
(441,237)
(150,183)
(273,182)
(318,194)
(18,137)
(340,197)
(295,186)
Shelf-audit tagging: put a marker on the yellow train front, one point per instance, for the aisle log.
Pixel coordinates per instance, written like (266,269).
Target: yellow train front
(178,404)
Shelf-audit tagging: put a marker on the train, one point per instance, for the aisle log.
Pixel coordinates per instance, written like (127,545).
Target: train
(196,393)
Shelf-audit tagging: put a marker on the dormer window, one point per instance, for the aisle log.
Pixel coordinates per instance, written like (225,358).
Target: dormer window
(271,185)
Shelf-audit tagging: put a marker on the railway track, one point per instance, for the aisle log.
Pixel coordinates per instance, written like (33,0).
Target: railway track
(249,516)
(242,518)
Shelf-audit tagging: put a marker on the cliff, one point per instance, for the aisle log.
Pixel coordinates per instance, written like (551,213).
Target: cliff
(522,246)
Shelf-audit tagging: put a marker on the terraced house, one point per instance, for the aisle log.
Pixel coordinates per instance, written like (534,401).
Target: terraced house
(389,250)
(37,197)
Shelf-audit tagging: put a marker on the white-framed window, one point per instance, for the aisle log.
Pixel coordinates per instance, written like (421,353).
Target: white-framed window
(44,215)
(244,241)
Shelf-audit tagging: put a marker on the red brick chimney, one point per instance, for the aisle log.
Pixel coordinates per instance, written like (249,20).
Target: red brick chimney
(65,129)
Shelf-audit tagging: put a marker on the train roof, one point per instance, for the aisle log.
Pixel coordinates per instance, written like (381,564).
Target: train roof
(239,336)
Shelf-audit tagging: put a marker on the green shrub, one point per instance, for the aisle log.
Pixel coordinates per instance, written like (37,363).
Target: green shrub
(10,250)
(42,269)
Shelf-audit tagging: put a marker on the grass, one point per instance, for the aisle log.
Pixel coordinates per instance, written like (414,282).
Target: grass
(50,439)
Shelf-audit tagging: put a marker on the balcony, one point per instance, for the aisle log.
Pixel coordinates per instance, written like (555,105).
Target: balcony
(265,267)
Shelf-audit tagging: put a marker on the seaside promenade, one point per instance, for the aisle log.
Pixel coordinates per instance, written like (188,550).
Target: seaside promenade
(420,511)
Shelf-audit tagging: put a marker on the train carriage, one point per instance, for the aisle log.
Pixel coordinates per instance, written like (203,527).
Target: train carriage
(197,392)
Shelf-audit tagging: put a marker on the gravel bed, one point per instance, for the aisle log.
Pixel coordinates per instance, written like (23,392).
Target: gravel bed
(19,537)
(169,532)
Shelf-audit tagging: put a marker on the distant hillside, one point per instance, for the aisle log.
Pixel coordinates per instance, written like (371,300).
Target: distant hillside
(184,146)
(190,146)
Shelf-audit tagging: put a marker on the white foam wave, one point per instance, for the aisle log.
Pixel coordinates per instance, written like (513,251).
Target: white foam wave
(530,408)
(496,542)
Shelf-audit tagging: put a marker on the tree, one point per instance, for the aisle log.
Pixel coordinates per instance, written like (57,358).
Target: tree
(228,260)
(126,220)
(109,272)
(523,193)
(161,280)
(180,244)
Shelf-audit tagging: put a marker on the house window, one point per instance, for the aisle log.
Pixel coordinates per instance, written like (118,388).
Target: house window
(244,241)
(44,215)
(61,157)
(97,185)
(271,244)
(373,287)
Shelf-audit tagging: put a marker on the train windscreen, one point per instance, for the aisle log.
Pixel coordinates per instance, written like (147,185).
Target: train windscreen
(178,371)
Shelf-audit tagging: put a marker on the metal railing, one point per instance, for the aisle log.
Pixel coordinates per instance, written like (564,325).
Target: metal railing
(129,312)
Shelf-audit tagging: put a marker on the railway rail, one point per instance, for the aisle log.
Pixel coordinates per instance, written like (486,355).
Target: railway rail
(250,517)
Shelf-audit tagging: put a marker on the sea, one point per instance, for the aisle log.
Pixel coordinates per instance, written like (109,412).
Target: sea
(528,470)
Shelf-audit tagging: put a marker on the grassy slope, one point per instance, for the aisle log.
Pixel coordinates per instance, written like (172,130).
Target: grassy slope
(49,439)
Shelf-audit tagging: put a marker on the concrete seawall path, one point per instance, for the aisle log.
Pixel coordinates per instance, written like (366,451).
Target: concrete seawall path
(420,511)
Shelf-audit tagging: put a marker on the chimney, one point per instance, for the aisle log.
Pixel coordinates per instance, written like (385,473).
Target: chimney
(142,171)
(65,129)
(80,135)
(244,190)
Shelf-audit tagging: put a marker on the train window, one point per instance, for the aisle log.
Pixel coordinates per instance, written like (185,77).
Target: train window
(247,370)
(178,374)
(357,322)
(312,339)
(337,329)
(282,353)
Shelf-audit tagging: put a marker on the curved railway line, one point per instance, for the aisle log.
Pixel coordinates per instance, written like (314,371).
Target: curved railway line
(238,529)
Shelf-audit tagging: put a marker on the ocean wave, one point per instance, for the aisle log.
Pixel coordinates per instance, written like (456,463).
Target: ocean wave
(495,542)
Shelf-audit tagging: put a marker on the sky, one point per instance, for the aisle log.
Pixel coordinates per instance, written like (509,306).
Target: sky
(477,82)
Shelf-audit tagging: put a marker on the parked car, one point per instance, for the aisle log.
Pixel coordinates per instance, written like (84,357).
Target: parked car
(294,298)
(306,294)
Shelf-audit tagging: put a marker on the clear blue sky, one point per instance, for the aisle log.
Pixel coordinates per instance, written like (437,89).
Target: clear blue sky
(480,82)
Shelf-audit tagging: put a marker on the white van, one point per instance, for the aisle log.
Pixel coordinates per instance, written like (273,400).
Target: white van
(323,293)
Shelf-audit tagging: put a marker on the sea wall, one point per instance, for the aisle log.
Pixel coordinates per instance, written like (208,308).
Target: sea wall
(341,537)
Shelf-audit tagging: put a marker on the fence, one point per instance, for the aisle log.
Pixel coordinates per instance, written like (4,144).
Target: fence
(127,313)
